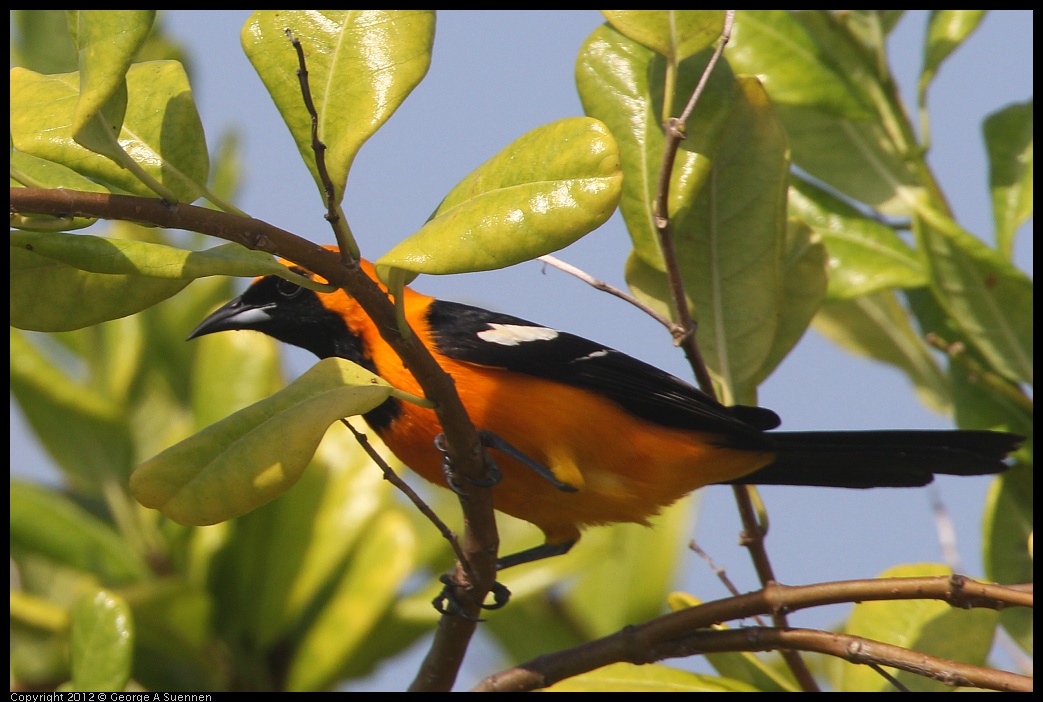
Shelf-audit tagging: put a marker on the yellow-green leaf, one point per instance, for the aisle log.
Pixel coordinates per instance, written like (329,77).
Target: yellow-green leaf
(107,41)
(102,643)
(989,299)
(1009,141)
(259,452)
(928,626)
(541,193)
(676,34)
(774,46)
(367,589)
(161,128)
(865,255)
(361,65)
(622,83)
(626,677)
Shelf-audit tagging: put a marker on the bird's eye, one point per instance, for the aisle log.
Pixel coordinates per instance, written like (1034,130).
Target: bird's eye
(286,289)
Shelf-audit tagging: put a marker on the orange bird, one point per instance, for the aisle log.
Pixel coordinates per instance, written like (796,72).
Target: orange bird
(587,435)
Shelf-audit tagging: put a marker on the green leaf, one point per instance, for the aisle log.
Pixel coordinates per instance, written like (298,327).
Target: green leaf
(946,30)
(102,645)
(622,83)
(232,371)
(989,299)
(362,64)
(149,260)
(366,591)
(539,194)
(866,256)
(113,278)
(877,326)
(795,70)
(928,626)
(858,158)
(42,41)
(42,287)
(83,431)
(1007,543)
(49,524)
(803,290)
(676,34)
(1009,141)
(107,41)
(161,128)
(731,246)
(627,677)
(259,452)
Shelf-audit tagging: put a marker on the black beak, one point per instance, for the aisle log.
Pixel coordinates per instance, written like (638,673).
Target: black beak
(234,316)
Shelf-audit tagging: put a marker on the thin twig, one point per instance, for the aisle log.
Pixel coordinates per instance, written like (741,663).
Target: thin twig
(349,249)
(610,289)
(392,477)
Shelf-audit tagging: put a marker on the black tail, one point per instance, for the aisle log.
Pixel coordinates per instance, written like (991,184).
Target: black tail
(864,459)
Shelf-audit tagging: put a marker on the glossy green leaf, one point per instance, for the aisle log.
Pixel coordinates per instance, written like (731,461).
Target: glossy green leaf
(367,589)
(161,128)
(987,297)
(1009,141)
(622,83)
(946,30)
(804,282)
(929,626)
(48,523)
(107,41)
(361,65)
(31,172)
(676,34)
(259,452)
(795,70)
(84,432)
(626,677)
(114,278)
(1007,544)
(731,246)
(857,158)
(865,255)
(877,326)
(150,260)
(541,193)
(102,643)
(41,288)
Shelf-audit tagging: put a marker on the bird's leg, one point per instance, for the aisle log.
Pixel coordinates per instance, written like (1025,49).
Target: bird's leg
(494,441)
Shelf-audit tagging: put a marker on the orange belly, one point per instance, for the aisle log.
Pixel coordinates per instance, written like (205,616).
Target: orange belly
(625,469)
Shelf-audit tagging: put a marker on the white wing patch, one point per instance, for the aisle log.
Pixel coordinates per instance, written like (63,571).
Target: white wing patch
(515,334)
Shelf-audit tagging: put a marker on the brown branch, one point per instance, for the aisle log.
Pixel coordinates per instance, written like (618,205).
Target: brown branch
(685,334)
(685,633)
(471,579)
(480,541)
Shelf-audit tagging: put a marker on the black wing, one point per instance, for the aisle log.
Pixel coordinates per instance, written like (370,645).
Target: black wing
(487,338)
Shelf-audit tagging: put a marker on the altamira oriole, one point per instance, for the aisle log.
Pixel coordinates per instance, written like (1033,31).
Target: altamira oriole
(622,438)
